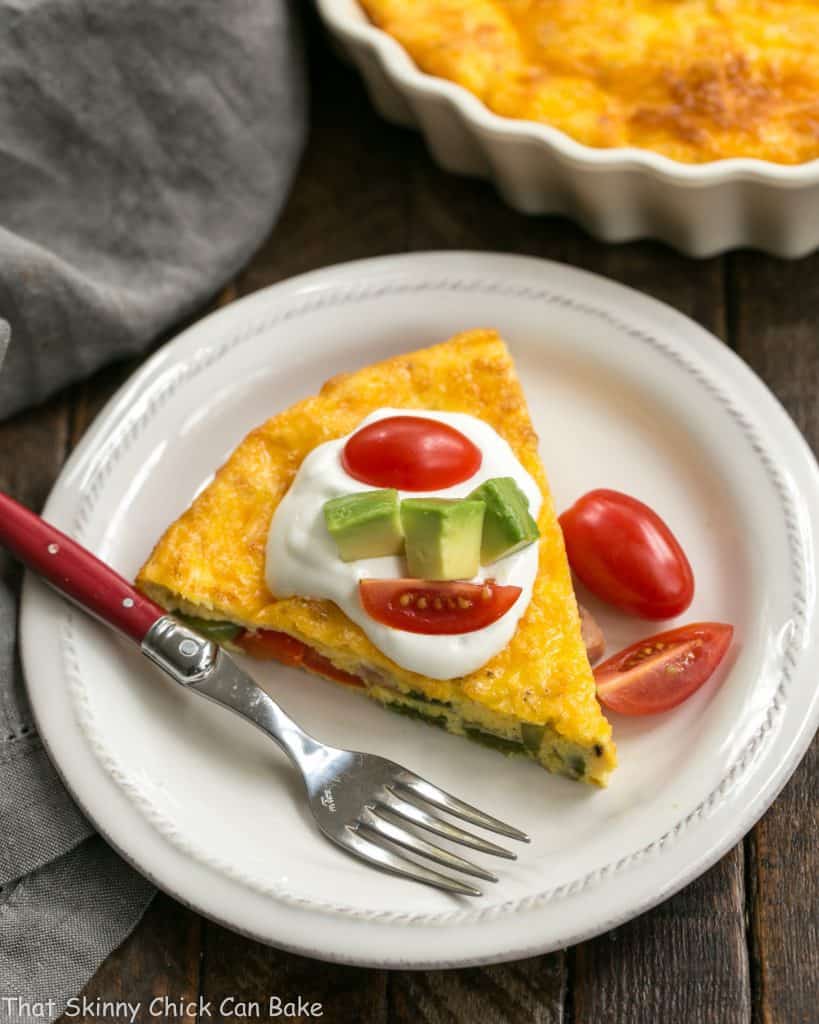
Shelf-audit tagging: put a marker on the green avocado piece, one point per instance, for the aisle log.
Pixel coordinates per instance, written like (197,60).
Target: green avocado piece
(365,525)
(532,735)
(213,629)
(508,525)
(442,537)
(487,739)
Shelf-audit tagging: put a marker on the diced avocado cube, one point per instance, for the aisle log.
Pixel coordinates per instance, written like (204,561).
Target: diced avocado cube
(214,629)
(365,525)
(508,525)
(442,537)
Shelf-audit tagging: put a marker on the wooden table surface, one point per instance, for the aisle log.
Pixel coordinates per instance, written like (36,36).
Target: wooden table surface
(739,945)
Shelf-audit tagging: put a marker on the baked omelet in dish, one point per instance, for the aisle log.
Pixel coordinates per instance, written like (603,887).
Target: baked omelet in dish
(695,80)
(535,696)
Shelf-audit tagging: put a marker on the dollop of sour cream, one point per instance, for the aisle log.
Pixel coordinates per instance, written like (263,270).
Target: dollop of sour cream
(302,560)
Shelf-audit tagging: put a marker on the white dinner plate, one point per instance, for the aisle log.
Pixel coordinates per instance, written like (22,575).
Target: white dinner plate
(624,393)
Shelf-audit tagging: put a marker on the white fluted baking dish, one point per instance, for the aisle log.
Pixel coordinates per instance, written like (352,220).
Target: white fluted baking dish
(616,194)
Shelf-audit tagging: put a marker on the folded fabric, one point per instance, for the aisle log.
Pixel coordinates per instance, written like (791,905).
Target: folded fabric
(147,147)
(54,923)
(146,150)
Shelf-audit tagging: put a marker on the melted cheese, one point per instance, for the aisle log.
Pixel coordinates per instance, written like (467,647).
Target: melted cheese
(695,80)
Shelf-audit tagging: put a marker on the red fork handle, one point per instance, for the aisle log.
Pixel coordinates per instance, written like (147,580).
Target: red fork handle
(74,571)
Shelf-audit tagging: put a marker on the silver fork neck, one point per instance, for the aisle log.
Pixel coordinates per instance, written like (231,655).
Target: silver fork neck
(181,652)
(200,665)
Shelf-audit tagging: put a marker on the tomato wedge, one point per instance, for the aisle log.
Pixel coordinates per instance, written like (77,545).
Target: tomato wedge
(421,606)
(410,453)
(270,645)
(318,663)
(662,671)
(626,555)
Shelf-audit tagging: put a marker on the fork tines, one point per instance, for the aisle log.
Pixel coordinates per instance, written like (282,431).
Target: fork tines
(381,834)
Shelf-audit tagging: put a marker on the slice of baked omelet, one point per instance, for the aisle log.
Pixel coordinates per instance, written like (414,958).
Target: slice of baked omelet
(536,697)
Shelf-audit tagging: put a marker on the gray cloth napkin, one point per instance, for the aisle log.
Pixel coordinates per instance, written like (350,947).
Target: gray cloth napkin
(146,147)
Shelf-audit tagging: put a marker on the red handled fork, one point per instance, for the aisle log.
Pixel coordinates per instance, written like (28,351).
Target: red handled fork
(370,806)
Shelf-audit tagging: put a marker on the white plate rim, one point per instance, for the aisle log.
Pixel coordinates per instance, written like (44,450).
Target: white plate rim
(460,271)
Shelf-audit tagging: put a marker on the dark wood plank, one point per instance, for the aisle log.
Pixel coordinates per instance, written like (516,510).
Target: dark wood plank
(449,212)
(158,962)
(238,969)
(350,196)
(33,447)
(530,991)
(783,866)
(774,308)
(684,961)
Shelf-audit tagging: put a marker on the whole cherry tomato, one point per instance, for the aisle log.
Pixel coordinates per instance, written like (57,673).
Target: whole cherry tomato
(627,555)
(664,670)
(410,453)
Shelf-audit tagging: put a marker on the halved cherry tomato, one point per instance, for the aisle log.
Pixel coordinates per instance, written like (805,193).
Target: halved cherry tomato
(626,555)
(410,453)
(662,671)
(420,606)
(270,645)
